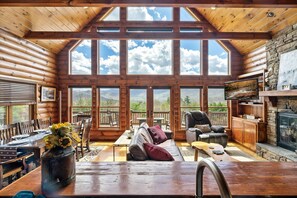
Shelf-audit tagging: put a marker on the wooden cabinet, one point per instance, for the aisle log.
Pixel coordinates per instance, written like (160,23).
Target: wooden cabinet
(248,132)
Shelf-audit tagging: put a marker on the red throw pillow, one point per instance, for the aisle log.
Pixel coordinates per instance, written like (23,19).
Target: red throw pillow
(157,134)
(157,153)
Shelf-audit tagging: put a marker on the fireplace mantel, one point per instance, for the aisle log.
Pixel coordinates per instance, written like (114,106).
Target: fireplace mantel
(272,95)
(276,93)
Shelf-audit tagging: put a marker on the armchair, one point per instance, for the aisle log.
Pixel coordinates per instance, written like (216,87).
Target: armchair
(212,134)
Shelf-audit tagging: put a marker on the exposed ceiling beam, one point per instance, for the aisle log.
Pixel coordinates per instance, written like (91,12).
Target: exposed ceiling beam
(145,35)
(167,3)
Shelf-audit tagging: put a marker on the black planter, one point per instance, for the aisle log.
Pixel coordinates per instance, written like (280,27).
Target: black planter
(58,169)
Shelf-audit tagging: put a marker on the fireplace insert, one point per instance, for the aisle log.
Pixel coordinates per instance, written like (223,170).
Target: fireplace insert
(287,131)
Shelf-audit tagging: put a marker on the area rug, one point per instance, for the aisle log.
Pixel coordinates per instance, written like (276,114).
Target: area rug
(90,156)
(234,152)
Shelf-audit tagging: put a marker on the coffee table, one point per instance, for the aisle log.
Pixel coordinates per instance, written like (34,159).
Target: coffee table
(209,148)
(122,141)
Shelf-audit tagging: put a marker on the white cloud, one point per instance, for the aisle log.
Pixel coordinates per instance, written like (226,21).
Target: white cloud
(80,63)
(110,65)
(139,14)
(85,43)
(114,15)
(156,59)
(190,62)
(114,45)
(217,65)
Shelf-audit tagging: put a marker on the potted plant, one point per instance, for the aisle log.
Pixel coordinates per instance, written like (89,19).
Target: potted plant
(58,162)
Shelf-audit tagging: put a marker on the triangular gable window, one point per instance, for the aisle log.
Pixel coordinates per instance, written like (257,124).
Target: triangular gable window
(114,15)
(185,15)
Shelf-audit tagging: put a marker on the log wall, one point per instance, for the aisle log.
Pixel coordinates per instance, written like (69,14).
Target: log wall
(124,81)
(24,60)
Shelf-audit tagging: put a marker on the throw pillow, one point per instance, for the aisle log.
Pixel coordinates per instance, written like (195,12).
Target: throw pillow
(204,128)
(136,147)
(157,134)
(155,152)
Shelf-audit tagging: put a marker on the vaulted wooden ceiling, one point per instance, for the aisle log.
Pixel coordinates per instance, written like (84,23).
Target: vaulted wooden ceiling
(21,20)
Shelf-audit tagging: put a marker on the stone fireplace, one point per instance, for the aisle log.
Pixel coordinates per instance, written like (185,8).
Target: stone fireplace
(283,42)
(287,131)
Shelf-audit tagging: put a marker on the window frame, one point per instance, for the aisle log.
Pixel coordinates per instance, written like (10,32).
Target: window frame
(201,58)
(208,107)
(71,106)
(228,57)
(98,58)
(181,107)
(172,59)
(70,58)
(113,107)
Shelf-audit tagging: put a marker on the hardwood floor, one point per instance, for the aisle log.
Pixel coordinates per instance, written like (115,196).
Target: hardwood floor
(106,154)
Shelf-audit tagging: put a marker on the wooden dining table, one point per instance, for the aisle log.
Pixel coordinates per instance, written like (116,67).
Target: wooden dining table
(166,179)
(33,143)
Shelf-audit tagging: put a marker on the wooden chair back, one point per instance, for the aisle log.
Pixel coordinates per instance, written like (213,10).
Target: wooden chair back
(85,137)
(44,123)
(27,126)
(8,131)
(86,130)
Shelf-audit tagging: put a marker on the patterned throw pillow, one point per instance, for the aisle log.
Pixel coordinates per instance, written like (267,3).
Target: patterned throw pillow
(204,128)
(157,134)
(155,152)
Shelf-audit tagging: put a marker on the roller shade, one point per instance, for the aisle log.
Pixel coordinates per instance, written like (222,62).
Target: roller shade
(17,92)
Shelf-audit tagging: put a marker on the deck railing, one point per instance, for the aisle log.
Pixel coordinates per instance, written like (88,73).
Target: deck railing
(216,117)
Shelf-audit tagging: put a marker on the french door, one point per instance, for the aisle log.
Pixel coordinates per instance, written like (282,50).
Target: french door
(151,105)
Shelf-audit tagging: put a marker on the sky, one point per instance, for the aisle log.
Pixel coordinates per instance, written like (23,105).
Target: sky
(149,56)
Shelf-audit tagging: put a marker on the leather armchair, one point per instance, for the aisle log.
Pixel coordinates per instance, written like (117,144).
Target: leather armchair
(216,135)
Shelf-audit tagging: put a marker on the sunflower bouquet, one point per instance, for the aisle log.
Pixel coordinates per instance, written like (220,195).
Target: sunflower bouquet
(62,136)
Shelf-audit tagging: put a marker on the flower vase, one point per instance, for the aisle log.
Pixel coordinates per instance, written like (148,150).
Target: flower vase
(57,168)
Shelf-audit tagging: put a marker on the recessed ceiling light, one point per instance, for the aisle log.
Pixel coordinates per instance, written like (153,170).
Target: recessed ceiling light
(270,14)
(213,8)
(86,7)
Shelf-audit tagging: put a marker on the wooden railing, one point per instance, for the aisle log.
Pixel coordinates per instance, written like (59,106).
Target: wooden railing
(157,114)
(216,117)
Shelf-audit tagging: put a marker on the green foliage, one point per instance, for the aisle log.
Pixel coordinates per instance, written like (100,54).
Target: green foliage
(138,106)
(218,106)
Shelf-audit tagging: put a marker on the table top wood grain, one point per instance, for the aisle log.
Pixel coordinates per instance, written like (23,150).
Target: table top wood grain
(127,179)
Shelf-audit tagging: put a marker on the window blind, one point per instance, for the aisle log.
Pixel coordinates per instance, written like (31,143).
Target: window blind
(17,92)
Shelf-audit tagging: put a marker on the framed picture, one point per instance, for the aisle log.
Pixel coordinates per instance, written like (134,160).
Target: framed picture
(48,94)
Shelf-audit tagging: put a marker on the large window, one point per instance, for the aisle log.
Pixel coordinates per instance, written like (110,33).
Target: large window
(150,57)
(114,15)
(218,59)
(20,113)
(217,107)
(109,58)
(2,116)
(185,15)
(189,101)
(80,59)
(81,103)
(190,57)
(17,100)
(109,107)
(149,14)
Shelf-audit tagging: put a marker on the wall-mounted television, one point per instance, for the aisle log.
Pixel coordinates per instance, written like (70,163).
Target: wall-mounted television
(247,89)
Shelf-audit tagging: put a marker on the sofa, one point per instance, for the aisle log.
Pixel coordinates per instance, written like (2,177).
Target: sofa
(199,128)
(143,137)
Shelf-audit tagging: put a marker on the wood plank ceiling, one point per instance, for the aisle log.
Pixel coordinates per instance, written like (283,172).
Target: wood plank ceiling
(20,21)
(249,20)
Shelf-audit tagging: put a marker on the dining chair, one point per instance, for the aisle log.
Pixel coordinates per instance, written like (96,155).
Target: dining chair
(85,137)
(27,127)
(44,123)
(7,131)
(12,163)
